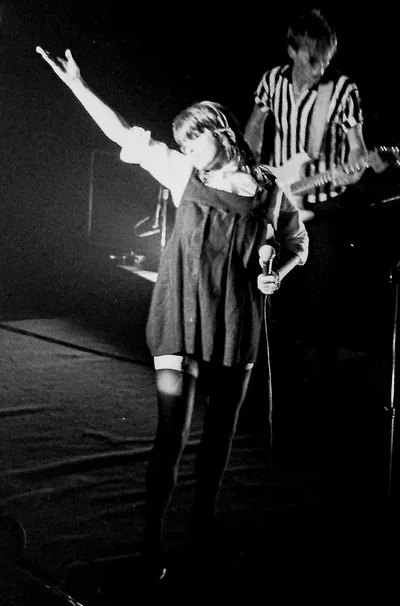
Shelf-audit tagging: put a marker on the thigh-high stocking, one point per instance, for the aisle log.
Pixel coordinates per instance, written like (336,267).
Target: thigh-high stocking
(227,391)
(175,396)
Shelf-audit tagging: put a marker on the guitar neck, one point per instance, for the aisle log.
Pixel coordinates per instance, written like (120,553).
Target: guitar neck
(390,155)
(310,183)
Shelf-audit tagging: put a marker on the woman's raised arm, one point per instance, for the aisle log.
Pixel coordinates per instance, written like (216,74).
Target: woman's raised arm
(112,125)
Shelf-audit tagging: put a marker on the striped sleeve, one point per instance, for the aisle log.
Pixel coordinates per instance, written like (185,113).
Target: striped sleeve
(265,90)
(261,96)
(352,114)
(268,87)
(347,104)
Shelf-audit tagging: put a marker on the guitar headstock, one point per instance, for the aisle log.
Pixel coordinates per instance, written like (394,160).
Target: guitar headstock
(390,154)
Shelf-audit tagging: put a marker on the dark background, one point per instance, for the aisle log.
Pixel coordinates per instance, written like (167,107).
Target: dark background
(147,63)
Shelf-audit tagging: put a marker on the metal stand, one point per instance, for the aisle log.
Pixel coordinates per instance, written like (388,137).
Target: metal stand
(159,225)
(163,201)
(391,408)
(134,262)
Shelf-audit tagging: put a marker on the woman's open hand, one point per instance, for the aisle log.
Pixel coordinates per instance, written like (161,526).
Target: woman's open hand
(66,69)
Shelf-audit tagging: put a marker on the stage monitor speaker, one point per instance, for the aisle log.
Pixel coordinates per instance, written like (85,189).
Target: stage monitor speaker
(121,196)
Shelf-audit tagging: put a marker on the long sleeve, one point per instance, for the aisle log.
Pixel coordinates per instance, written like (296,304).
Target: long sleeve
(167,166)
(289,228)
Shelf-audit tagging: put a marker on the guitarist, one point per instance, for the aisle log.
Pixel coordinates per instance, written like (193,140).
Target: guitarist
(316,111)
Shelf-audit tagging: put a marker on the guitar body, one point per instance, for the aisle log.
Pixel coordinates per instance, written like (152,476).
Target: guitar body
(290,177)
(290,173)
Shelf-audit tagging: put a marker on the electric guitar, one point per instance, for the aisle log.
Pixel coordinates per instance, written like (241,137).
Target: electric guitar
(290,176)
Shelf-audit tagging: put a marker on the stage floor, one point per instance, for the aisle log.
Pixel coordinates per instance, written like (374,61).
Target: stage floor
(78,416)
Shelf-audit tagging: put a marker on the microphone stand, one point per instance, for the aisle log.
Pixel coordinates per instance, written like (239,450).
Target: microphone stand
(164,195)
(391,408)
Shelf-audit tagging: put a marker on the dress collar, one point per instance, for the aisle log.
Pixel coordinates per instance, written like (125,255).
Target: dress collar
(230,179)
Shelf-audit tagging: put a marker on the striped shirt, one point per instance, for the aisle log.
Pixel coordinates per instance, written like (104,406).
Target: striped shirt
(292,119)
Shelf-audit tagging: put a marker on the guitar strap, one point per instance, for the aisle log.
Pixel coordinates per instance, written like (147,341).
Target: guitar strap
(318,119)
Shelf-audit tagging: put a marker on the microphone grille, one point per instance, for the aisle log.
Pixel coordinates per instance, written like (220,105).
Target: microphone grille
(266,253)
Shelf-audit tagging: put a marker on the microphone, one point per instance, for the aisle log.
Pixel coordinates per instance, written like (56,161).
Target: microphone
(267,255)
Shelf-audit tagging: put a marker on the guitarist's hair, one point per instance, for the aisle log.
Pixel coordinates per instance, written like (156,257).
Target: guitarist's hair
(214,117)
(311,26)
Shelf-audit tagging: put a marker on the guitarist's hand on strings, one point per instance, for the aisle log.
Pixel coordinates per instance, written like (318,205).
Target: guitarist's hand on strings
(353,171)
(377,162)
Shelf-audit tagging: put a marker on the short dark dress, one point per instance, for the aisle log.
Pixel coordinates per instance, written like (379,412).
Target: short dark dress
(206,303)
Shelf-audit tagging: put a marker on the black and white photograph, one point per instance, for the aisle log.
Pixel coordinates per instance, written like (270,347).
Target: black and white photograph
(199,302)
